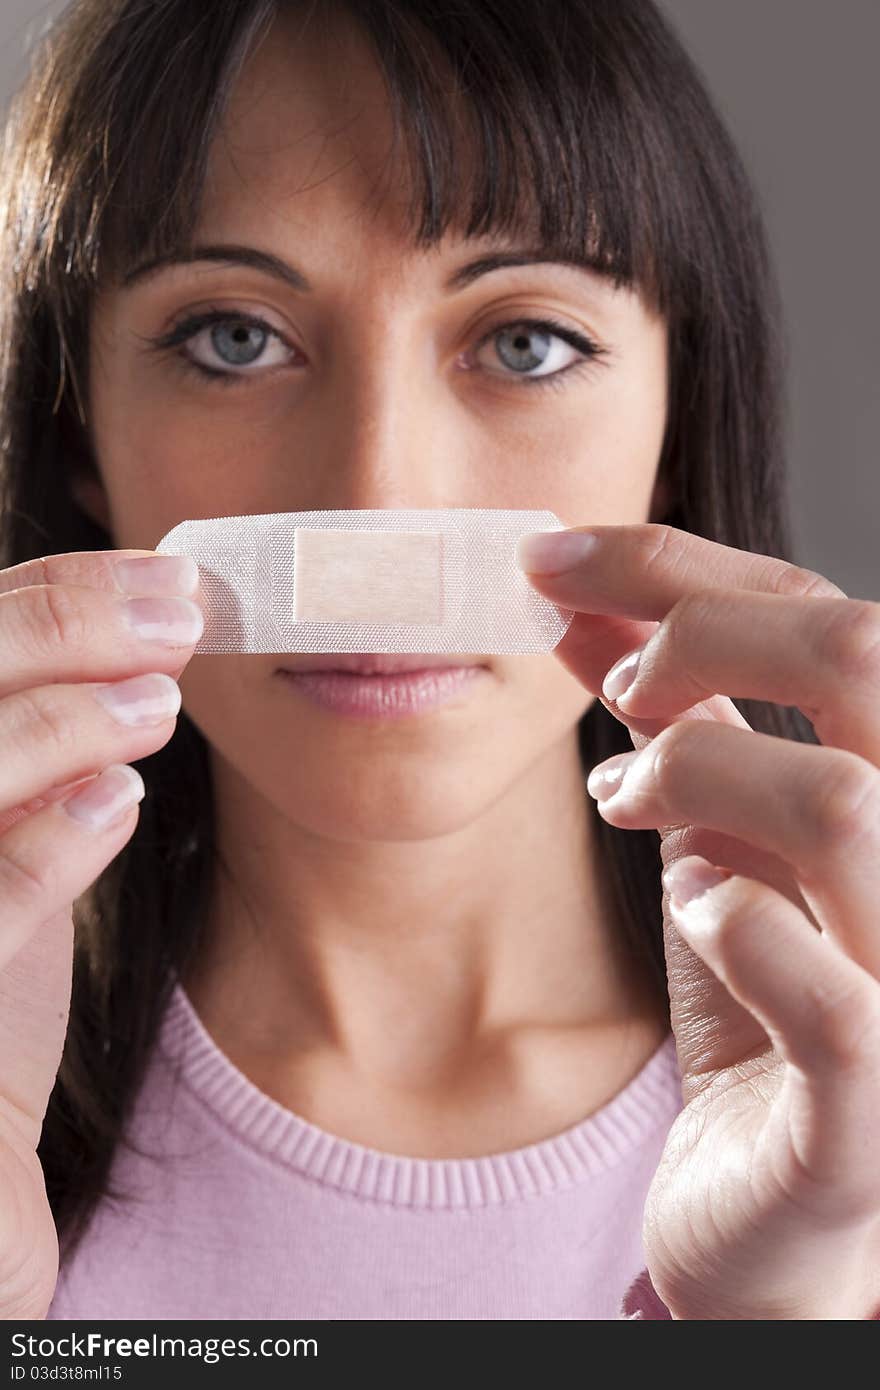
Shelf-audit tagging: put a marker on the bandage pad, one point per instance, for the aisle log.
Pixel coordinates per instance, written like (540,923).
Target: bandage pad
(401,580)
(367,576)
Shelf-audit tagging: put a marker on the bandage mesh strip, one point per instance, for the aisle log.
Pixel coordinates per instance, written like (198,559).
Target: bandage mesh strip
(431,580)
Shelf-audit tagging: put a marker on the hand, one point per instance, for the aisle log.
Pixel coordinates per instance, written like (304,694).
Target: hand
(766,1202)
(65,645)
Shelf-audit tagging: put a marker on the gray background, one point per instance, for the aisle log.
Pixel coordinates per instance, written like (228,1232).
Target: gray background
(796,82)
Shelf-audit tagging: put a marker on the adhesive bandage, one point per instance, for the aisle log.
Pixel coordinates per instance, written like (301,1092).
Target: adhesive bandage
(441,580)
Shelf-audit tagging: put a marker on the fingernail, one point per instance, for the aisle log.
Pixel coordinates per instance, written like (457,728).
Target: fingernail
(149,699)
(158,574)
(106,797)
(551,552)
(688,878)
(177,621)
(622,674)
(606,779)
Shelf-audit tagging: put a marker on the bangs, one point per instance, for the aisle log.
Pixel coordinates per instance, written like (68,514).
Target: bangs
(542,136)
(551,132)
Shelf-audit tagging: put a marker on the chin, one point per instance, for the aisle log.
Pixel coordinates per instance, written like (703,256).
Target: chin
(384,812)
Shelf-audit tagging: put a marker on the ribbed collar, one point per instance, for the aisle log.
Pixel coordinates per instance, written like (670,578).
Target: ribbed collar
(653,1097)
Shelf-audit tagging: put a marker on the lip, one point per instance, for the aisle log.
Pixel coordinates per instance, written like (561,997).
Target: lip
(399,693)
(378,663)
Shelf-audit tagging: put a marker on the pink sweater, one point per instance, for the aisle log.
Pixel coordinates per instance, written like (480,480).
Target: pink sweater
(243,1209)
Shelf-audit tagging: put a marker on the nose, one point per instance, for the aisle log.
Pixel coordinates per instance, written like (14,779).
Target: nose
(393,433)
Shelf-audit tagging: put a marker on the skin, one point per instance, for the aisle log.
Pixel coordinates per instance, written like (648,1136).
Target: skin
(441,846)
(414,922)
(768,1182)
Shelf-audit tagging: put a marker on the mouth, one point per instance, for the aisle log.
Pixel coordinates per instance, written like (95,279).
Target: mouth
(368,685)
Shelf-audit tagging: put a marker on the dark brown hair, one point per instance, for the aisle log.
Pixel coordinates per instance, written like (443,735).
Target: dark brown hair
(587,114)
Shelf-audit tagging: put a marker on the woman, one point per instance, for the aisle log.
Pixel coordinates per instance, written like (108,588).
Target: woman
(381,1007)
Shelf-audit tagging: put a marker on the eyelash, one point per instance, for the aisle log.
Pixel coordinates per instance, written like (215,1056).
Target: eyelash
(194,323)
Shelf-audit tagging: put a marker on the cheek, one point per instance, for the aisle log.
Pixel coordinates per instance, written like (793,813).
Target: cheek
(153,484)
(547,700)
(153,477)
(600,466)
(162,462)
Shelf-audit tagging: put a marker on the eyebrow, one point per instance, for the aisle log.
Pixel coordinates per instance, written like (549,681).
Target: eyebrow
(281,270)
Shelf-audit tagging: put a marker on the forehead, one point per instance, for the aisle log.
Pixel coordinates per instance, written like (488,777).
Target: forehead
(308,134)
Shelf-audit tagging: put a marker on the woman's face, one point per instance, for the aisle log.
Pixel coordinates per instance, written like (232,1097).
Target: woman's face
(378,387)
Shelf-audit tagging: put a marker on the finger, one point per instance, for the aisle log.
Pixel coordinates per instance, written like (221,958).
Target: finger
(55,633)
(711,1024)
(100,569)
(13,814)
(46,862)
(713,1031)
(62,733)
(34,1009)
(819,654)
(820,1010)
(640,571)
(818,809)
(53,856)
(751,861)
(592,643)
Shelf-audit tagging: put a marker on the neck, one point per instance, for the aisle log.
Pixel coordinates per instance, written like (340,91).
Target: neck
(405,956)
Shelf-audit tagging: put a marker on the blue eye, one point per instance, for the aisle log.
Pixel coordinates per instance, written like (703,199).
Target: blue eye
(241,341)
(244,342)
(526,344)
